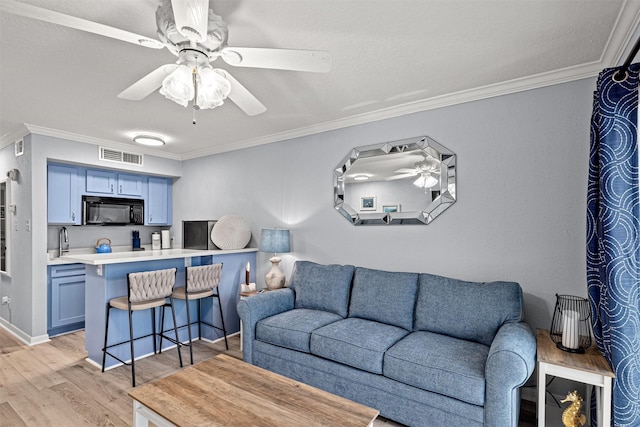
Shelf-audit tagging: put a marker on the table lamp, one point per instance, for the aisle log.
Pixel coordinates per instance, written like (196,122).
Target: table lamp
(275,241)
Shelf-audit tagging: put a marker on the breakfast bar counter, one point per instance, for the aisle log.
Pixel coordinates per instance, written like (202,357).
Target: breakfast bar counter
(106,278)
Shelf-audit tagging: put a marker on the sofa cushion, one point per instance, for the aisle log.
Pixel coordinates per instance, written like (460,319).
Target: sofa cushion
(356,342)
(439,363)
(384,296)
(466,310)
(292,329)
(322,287)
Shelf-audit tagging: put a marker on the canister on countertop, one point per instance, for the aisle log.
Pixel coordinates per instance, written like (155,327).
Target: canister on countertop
(155,241)
(166,239)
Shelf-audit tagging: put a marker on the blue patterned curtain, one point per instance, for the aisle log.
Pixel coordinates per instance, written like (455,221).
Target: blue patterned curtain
(613,239)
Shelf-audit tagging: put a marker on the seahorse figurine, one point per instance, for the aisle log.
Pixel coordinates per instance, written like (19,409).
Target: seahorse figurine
(572,416)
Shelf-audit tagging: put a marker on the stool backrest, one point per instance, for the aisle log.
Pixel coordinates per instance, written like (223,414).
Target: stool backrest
(149,285)
(203,278)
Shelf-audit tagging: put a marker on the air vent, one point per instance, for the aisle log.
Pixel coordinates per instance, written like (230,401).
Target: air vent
(19,147)
(111,155)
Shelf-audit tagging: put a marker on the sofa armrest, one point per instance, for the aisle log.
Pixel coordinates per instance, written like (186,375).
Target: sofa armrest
(253,309)
(511,361)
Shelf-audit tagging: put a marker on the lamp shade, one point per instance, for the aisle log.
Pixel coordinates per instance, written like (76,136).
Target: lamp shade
(274,241)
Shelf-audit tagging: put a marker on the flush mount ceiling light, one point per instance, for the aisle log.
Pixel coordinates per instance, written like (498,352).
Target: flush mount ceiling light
(152,140)
(360,177)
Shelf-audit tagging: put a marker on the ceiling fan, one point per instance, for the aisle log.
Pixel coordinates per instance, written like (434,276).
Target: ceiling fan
(428,165)
(197,36)
(427,171)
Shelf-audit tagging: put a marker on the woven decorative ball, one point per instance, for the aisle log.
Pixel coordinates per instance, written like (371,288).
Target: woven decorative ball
(231,232)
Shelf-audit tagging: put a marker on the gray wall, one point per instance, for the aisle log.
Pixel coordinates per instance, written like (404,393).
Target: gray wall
(520,215)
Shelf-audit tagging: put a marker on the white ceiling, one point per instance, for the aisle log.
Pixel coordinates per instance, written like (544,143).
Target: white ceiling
(390,57)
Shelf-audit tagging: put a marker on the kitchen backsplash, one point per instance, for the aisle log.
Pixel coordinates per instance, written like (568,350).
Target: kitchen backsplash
(86,236)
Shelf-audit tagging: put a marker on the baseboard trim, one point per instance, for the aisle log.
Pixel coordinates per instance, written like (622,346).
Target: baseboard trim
(21,335)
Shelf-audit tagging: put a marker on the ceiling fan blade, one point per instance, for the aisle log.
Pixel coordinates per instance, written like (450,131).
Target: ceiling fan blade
(316,61)
(149,83)
(242,97)
(47,15)
(409,171)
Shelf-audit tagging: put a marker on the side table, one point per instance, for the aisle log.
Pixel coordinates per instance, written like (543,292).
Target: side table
(588,368)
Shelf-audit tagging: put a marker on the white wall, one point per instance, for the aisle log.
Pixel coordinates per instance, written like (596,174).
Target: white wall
(521,186)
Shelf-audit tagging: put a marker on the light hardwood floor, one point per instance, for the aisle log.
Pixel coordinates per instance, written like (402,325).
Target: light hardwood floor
(52,384)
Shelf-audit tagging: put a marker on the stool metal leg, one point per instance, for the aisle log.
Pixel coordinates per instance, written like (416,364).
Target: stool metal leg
(133,357)
(175,329)
(224,330)
(153,329)
(189,326)
(106,332)
(161,327)
(199,322)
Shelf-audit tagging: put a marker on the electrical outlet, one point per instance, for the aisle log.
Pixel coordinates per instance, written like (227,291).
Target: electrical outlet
(6,300)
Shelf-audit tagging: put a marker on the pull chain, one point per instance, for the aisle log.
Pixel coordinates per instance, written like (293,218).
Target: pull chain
(195,96)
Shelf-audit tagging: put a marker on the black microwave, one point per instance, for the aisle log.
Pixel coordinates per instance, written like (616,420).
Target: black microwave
(112,211)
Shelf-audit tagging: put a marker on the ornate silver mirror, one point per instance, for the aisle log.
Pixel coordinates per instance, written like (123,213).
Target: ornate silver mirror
(411,181)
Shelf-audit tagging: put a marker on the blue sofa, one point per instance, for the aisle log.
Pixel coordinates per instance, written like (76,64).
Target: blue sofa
(424,350)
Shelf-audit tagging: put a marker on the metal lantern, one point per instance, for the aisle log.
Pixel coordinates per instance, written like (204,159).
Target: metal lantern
(570,327)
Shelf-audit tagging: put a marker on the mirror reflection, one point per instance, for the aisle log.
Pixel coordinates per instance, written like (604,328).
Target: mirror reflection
(410,181)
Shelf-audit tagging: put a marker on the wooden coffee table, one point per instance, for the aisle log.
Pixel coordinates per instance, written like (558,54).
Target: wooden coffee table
(224,391)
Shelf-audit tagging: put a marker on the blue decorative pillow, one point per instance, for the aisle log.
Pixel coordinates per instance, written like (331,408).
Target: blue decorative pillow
(322,287)
(384,296)
(466,310)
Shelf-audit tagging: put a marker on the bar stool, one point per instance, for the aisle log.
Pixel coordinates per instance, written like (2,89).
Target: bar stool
(202,282)
(147,289)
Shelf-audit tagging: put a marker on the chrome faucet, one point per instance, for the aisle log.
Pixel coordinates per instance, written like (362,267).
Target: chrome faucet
(63,238)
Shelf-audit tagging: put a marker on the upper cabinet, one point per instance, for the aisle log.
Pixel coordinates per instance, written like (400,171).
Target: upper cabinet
(63,201)
(159,201)
(107,182)
(67,184)
(130,185)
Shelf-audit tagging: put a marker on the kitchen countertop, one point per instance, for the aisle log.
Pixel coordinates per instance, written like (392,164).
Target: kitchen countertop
(136,256)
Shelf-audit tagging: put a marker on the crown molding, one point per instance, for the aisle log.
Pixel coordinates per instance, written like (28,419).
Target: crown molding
(70,136)
(11,137)
(489,91)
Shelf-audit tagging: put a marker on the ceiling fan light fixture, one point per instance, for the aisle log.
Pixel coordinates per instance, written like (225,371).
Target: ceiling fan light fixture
(191,17)
(178,86)
(425,181)
(213,88)
(152,140)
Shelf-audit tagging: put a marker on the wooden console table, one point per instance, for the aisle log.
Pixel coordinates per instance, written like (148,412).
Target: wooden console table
(589,368)
(224,391)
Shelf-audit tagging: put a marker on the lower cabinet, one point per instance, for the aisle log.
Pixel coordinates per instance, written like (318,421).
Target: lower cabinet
(65,298)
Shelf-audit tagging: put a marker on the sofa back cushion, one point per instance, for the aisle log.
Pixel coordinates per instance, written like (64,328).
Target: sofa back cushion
(322,287)
(466,310)
(384,296)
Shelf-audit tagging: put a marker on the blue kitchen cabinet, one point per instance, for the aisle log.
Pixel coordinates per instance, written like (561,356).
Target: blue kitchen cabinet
(66,305)
(100,181)
(159,201)
(107,182)
(63,195)
(130,185)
